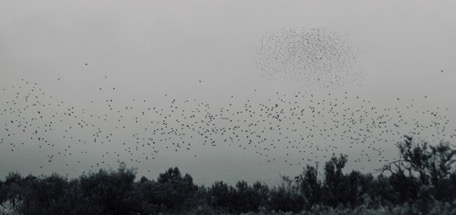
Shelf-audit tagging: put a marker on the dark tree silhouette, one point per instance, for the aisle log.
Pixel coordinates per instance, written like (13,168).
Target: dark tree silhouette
(310,185)
(109,192)
(422,180)
(286,197)
(335,187)
(422,166)
(222,196)
(176,192)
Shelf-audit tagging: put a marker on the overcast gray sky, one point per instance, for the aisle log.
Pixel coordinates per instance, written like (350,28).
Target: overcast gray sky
(204,51)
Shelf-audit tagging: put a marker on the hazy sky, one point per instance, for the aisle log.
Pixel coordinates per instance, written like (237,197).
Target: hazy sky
(83,53)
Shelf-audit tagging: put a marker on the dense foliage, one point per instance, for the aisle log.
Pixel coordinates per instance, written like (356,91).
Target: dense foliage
(422,180)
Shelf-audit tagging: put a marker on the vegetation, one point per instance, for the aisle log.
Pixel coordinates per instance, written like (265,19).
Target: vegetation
(421,181)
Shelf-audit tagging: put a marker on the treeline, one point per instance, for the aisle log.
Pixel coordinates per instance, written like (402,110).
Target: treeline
(422,180)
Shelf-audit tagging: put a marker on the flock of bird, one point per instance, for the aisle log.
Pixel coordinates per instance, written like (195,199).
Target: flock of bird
(291,129)
(311,58)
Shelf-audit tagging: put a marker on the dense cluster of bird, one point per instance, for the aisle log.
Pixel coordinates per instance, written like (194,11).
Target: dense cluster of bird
(293,129)
(311,58)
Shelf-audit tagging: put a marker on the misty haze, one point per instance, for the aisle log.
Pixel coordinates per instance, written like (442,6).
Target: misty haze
(214,107)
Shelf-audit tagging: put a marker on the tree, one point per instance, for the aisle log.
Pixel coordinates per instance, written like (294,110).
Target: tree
(286,197)
(381,193)
(13,189)
(176,192)
(146,192)
(110,192)
(248,198)
(431,163)
(261,193)
(45,195)
(422,166)
(357,188)
(222,196)
(310,186)
(334,185)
